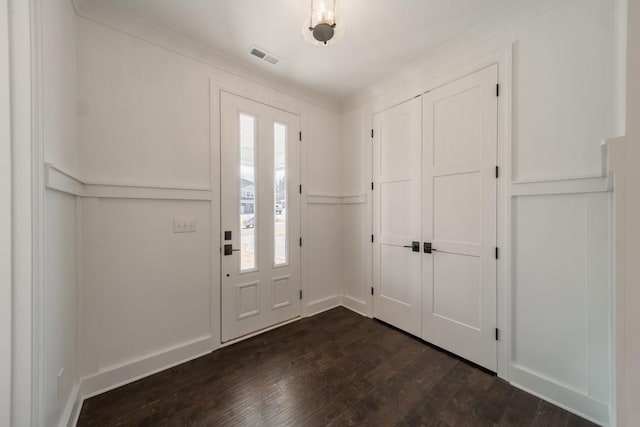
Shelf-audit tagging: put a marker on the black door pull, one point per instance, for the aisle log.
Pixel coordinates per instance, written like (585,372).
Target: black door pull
(228,250)
(428,249)
(415,246)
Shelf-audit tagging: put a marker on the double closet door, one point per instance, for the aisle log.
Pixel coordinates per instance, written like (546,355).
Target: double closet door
(260,216)
(434,216)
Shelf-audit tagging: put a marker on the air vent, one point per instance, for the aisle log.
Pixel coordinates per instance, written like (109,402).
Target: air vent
(263,55)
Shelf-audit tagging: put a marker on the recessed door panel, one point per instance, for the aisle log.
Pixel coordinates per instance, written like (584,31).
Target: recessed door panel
(260,216)
(459,131)
(281,292)
(248,300)
(456,289)
(457,208)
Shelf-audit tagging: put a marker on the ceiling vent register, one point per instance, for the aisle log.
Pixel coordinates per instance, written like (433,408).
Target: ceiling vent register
(263,55)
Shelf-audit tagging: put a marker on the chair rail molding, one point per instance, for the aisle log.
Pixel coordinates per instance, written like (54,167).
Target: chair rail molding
(59,180)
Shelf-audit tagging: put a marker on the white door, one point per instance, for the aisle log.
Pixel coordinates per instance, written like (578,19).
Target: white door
(260,216)
(396,215)
(459,217)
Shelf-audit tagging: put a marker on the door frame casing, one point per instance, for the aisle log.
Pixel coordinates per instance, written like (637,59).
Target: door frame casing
(503,57)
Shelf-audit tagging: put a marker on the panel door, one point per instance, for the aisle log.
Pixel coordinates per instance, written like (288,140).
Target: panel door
(396,216)
(260,216)
(459,217)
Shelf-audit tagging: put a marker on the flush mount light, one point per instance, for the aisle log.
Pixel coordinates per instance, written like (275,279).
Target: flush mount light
(321,28)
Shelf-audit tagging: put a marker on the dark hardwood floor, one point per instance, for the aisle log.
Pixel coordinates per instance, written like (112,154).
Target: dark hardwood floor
(337,368)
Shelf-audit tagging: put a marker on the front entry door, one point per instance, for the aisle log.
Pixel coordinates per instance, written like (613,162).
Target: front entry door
(396,215)
(459,217)
(260,216)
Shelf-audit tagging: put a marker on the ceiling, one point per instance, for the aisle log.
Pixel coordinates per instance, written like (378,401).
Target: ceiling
(379,35)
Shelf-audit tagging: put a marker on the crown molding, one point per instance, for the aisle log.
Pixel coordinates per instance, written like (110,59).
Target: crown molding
(110,17)
(417,77)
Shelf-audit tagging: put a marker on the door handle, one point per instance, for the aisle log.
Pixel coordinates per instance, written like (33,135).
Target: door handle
(415,246)
(228,250)
(428,249)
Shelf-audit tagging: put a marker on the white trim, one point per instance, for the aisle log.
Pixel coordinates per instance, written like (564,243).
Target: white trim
(118,192)
(359,199)
(324,304)
(38,209)
(616,165)
(57,179)
(317,199)
(574,401)
(5,222)
(129,372)
(215,146)
(355,305)
(503,212)
(221,63)
(410,80)
(598,184)
(259,332)
(71,410)
(327,199)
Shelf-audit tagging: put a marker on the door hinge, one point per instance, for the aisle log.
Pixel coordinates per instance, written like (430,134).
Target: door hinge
(372,290)
(371,133)
(497,253)
(301,242)
(497,334)
(372,186)
(300,135)
(498,89)
(300,188)
(372,238)
(300,293)
(497,171)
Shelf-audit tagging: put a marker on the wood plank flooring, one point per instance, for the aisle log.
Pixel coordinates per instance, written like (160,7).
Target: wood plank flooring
(334,369)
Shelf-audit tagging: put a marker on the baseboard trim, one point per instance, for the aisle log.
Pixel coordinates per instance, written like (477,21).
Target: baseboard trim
(71,409)
(324,304)
(127,373)
(573,401)
(355,305)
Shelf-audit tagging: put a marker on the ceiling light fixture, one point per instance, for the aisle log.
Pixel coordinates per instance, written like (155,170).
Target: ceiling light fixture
(321,29)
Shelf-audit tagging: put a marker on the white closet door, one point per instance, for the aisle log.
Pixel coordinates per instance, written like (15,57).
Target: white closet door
(396,216)
(459,217)
(260,216)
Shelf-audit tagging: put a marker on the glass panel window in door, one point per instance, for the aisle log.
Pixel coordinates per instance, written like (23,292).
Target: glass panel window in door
(280,226)
(248,193)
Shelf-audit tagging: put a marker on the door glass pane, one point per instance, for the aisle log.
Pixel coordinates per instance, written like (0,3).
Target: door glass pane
(281,249)
(248,187)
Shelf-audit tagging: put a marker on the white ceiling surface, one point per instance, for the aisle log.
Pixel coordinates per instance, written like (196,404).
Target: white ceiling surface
(379,37)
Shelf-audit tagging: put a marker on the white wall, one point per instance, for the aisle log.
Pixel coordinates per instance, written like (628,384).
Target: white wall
(356,217)
(59,320)
(322,252)
(565,99)
(631,358)
(148,136)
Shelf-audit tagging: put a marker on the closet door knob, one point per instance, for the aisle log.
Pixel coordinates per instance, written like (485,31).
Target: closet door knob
(415,246)
(428,249)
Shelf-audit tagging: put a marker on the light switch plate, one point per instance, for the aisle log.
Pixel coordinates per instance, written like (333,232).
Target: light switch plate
(184,225)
